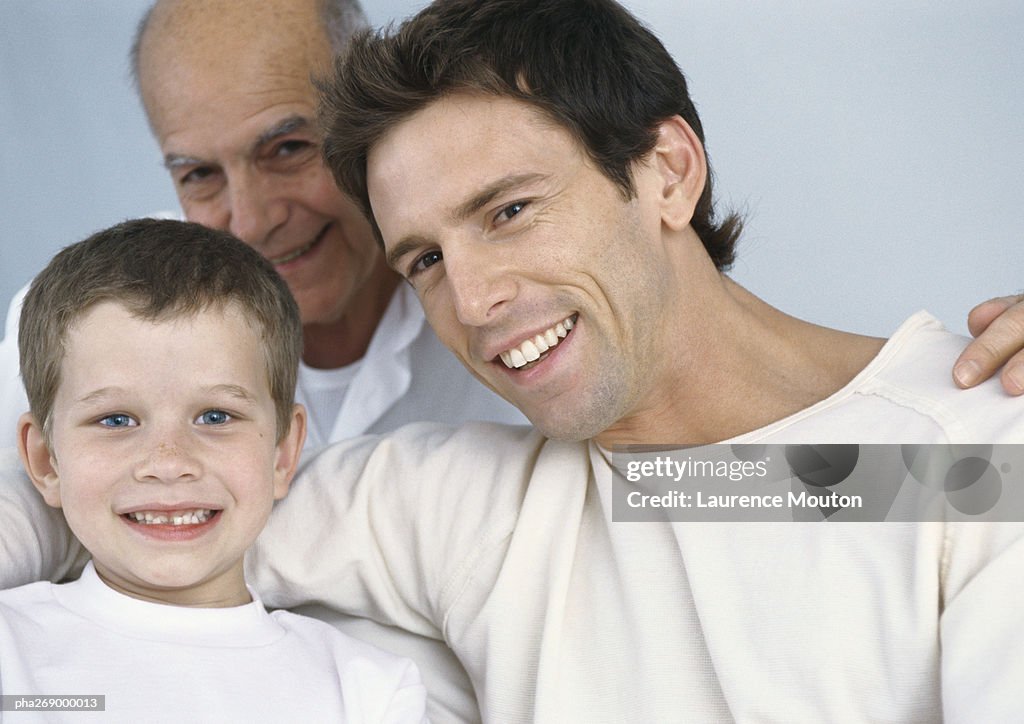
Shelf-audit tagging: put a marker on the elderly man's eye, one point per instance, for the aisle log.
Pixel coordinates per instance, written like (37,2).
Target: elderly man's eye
(292,147)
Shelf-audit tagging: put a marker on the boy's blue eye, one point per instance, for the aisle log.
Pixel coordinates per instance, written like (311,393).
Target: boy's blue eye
(213,417)
(118,420)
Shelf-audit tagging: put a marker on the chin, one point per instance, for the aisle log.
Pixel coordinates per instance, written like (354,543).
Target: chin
(568,427)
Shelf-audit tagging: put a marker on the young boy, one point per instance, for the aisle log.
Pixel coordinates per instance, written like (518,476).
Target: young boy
(159,359)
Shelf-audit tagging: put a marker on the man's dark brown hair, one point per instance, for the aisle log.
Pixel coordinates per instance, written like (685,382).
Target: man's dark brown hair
(589,65)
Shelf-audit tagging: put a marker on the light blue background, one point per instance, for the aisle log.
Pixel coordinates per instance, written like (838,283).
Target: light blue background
(878,147)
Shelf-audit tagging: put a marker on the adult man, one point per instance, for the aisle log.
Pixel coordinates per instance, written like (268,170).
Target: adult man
(536,171)
(583,295)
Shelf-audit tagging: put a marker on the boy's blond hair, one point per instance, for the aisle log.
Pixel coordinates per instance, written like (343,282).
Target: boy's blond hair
(158,269)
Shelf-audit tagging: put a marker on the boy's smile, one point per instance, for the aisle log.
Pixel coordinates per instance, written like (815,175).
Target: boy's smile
(164,452)
(174,523)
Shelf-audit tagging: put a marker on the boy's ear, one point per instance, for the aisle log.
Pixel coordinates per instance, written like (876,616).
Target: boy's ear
(289,450)
(680,160)
(37,459)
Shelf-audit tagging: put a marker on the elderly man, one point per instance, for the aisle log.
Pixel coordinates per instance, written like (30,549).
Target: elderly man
(575,276)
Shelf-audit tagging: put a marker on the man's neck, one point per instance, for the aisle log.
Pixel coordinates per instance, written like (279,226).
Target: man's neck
(345,341)
(745,368)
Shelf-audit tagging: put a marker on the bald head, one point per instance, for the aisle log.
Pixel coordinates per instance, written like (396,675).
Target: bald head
(175,31)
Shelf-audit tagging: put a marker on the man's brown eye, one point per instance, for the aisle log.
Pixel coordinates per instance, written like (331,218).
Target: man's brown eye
(509,211)
(427,260)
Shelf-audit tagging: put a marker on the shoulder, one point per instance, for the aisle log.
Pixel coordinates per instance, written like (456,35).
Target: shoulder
(429,473)
(29,594)
(316,634)
(359,665)
(917,373)
(428,486)
(439,466)
(27,602)
(426,447)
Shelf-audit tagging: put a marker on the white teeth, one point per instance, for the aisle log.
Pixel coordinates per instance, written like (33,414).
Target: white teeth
(181,517)
(530,350)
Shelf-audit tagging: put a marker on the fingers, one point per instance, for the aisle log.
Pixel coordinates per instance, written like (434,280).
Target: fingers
(983,314)
(998,325)
(1013,375)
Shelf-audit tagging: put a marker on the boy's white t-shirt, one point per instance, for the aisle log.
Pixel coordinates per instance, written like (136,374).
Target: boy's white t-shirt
(155,662)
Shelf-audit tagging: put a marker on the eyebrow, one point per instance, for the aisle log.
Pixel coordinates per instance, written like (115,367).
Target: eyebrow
(99,395)
(231,390)
(177,160)
(466,209)
(490,192)
(281,128)
(236,391)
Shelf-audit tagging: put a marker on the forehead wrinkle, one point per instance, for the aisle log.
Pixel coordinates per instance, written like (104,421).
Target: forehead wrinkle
(228,46)
(209,24)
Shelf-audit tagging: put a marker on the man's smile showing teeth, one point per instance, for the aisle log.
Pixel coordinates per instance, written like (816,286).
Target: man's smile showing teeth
(530,350)
(292,255)
(171,517)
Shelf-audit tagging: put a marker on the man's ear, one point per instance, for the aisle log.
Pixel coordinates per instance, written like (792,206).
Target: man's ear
(679,158)
(38,461)
(289,450)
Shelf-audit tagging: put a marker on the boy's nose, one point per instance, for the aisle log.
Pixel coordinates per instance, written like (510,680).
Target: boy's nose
(167,461)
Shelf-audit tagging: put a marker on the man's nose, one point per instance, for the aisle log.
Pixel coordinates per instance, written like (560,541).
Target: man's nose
(256,210)
(481,283)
